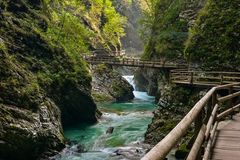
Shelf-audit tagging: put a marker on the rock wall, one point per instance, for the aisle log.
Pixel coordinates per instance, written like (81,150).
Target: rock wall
(110,85)
(41,84)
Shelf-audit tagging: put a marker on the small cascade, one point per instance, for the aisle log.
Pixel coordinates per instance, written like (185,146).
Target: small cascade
(130,80)
(138,94)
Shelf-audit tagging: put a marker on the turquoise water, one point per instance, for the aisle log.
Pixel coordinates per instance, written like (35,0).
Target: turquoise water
(130,121)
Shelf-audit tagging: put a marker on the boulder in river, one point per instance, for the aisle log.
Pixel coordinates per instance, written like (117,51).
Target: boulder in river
(110,130)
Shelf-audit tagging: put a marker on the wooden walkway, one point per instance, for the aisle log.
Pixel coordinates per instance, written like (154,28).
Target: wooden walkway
(179,74)
(203,79)
(227,143)
(215,139)
(134,62)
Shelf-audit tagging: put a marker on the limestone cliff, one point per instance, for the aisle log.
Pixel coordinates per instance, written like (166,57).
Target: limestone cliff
(41,84)
(110,85)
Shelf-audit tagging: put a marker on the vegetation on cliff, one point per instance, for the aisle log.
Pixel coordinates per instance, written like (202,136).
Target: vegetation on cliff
(168,21)
(214,41)
(209,37)
(84,24)
(42,70)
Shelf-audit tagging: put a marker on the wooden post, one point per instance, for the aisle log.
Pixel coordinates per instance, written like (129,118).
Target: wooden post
(214,99)
(191,78)
(221,76)
(198,124)
(209,111)
(231,102)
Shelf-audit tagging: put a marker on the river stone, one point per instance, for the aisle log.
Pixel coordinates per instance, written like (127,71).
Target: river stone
(110,130)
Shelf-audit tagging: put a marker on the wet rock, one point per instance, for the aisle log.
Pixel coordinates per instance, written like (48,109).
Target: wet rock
(110,85)
(133,153)
(80,148)
(110,130)
(28,134)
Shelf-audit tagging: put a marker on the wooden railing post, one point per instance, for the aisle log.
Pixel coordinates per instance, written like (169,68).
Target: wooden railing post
(209,110)
(198,124)
(231,102)
(214,99)
(221,77)
(191,77)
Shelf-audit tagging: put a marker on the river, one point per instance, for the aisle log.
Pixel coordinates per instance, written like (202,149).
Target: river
(129,120)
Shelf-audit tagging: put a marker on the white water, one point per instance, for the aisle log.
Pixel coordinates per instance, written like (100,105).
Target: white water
(130,122)
(138,95)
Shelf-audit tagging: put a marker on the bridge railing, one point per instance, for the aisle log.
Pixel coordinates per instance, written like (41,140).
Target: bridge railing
(196,77)
(126,61)
(205,114)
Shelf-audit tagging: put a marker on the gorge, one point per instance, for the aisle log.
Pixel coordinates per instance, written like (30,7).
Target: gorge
(54,105)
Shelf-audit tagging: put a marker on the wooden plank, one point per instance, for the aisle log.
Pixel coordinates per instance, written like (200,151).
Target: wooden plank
(227,144)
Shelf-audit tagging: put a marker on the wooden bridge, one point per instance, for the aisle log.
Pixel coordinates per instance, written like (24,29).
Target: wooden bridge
(134,62)
(179,72)
(214,139)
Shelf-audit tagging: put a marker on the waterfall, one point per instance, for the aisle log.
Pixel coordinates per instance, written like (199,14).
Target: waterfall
(138,94)
(130,80)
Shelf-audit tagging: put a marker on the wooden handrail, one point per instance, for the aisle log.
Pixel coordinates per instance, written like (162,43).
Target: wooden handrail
(125,61)
(208,129)
(196,77)
(161,150)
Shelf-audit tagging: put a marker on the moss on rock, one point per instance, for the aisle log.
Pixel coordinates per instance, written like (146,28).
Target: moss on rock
(111,84)
(214,39)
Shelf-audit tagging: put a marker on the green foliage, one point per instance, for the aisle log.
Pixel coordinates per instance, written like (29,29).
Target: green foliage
(98,97)
(45,42)
(214,40)
(81,24)
(3,48)
(168,30)
(101,69)
(147,19)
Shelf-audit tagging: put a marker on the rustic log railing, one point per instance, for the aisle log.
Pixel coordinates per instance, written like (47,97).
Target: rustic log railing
(179,76)
(134,62)
(208,104)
